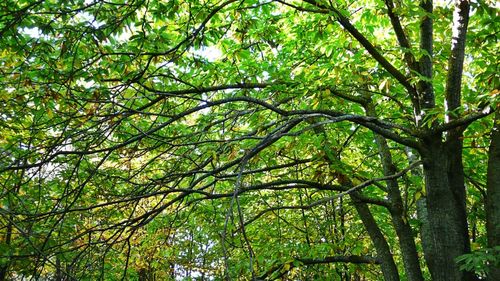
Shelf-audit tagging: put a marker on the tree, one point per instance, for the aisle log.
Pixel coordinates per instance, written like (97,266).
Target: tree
(249,140)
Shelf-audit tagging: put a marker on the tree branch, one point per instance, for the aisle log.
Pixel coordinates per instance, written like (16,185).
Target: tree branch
(456,60)
(344,22)
(425,89)
(345,191)
(280,270)
(461,122)
(401,36)
(374,124)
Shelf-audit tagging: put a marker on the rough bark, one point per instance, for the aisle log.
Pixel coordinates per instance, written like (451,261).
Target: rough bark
(445,230)
(456,60)
(424,86)
(493,194)
(445,237)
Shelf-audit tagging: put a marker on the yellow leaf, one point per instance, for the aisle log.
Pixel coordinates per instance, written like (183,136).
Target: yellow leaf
(315,104)
(286,267)
(233,154)
(418,195)
(356,181)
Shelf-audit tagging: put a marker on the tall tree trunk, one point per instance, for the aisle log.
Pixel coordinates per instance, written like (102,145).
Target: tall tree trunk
(445,236)
(445,231)
(493,194)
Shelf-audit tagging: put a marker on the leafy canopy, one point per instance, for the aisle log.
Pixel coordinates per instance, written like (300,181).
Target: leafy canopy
(218,138)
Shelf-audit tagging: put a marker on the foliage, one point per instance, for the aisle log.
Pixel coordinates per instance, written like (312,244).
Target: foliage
(237,139)
(480,260)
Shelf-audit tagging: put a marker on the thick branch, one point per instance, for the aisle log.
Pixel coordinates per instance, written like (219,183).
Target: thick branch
(401,36)
(456,60)
(374,124)
(346,259)
(397,209)
(345,191)
(461,122)
(200,90)
(344,22)
(280,270)
(356,99)
(425,89)
(381,127)
(493,193)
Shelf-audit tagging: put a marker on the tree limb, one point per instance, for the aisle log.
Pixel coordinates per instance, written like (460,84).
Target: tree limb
(456,60)
(425,89)
(344,22)
(401,36)
(280,270)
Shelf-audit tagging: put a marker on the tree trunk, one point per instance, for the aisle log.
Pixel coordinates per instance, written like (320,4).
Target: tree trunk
(59,275)
(446,235)
(403,229)
(445,231)
(493,194)
(389,268)
(4,269)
